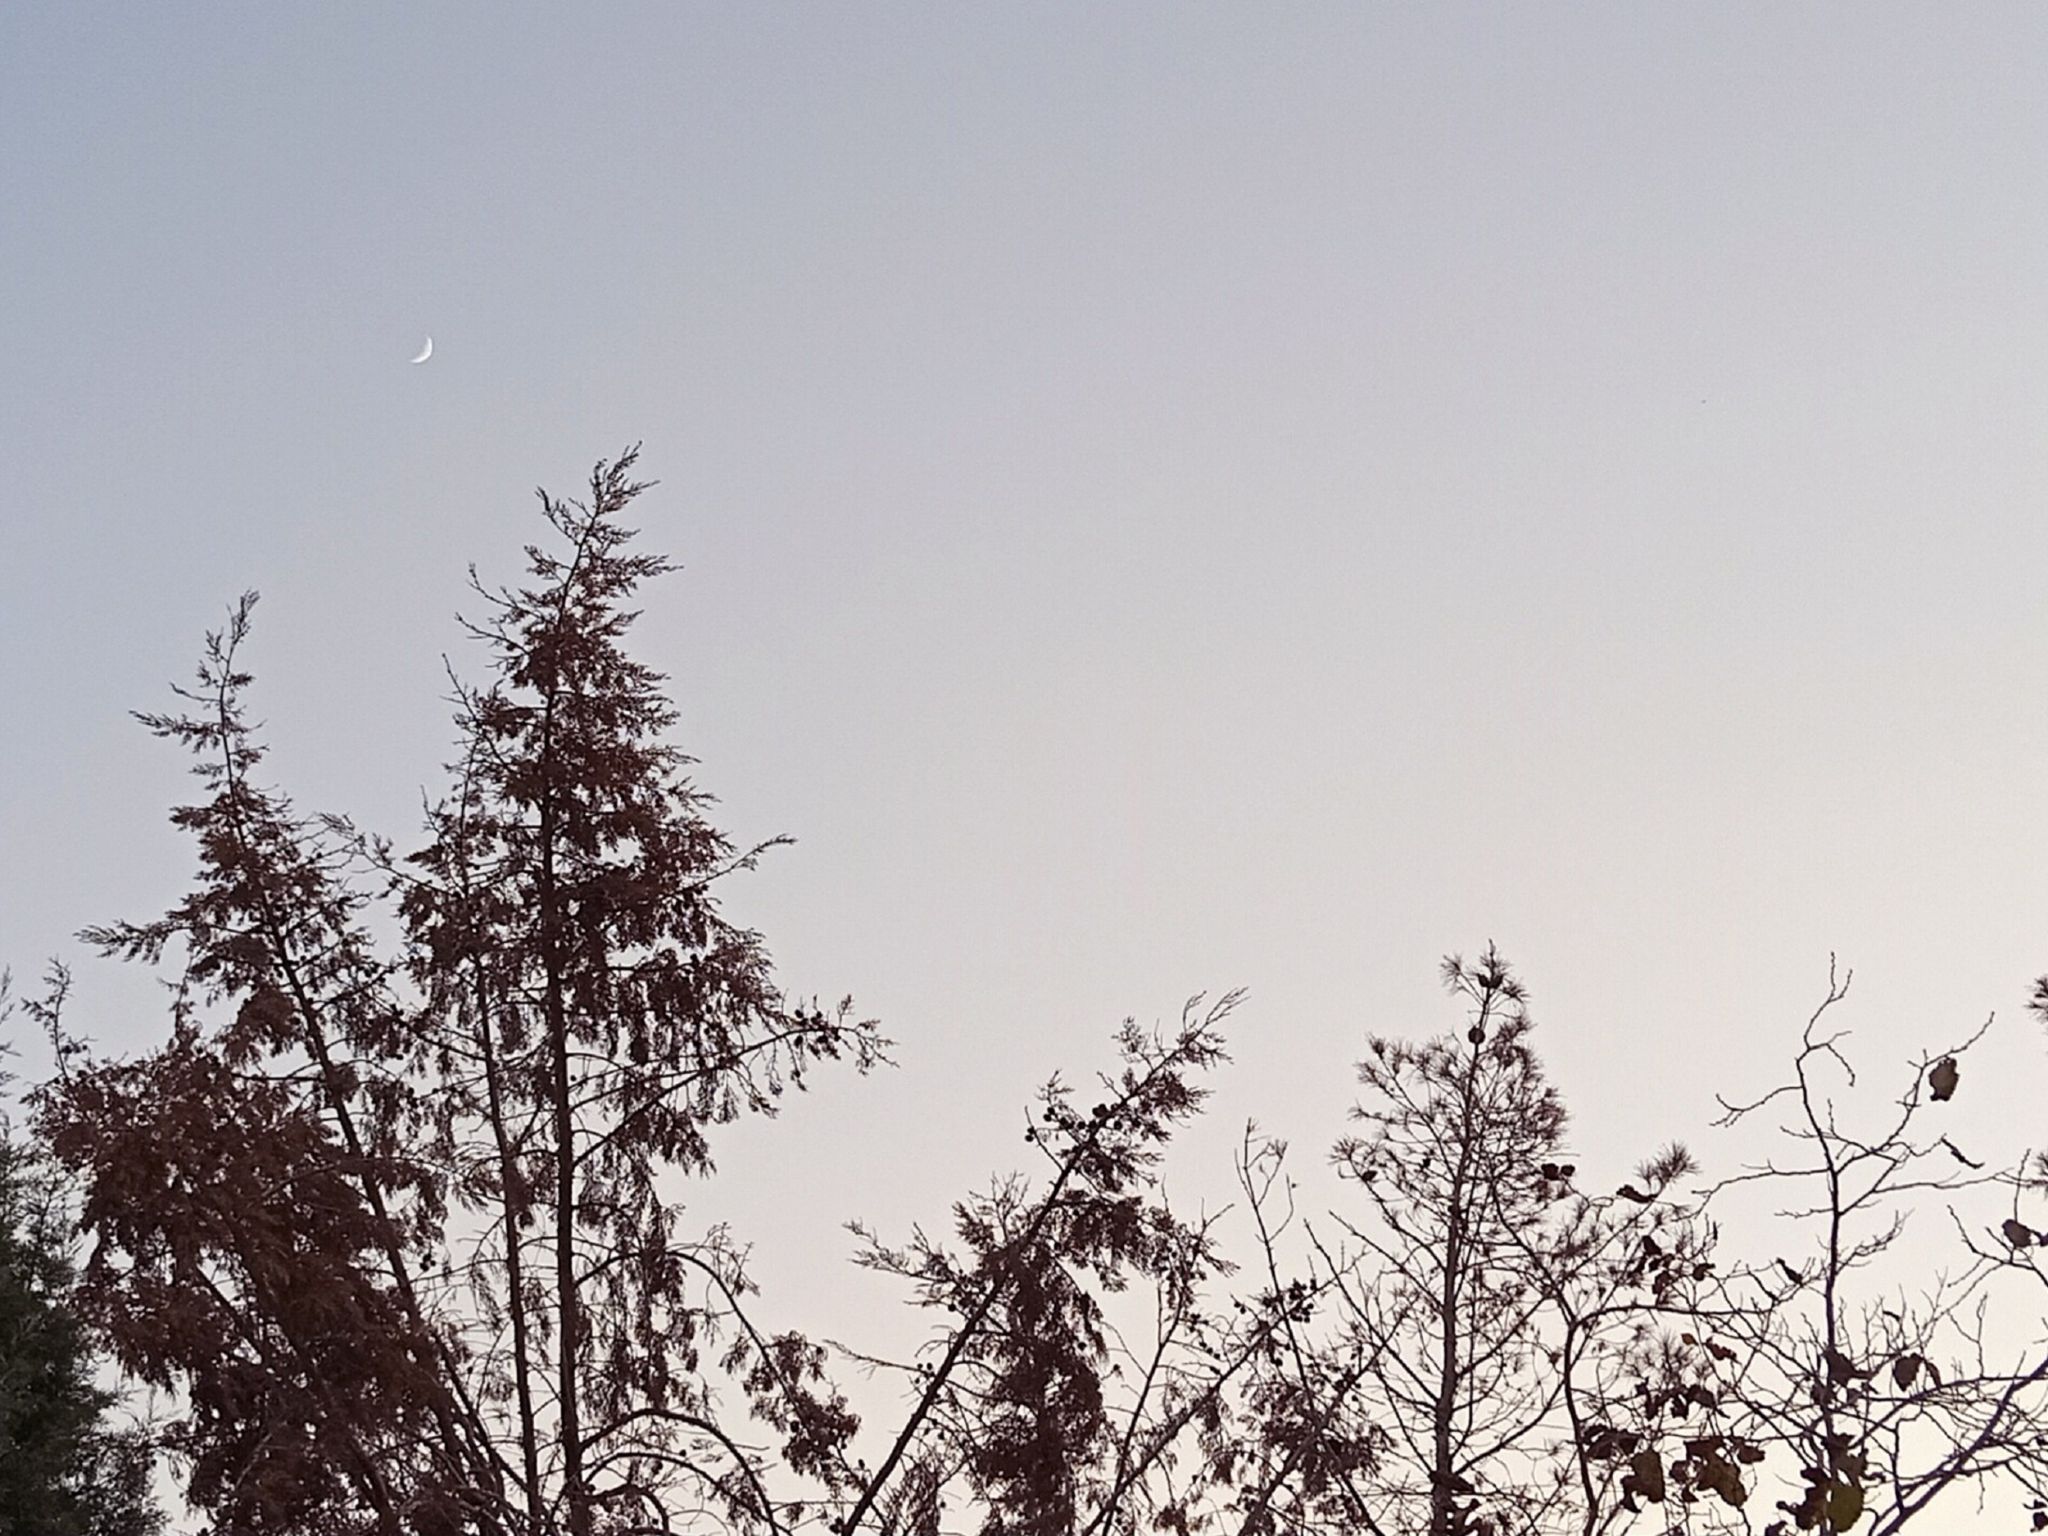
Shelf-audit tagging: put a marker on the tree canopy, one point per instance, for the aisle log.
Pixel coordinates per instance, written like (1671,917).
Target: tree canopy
(393,1212)
(68,1465)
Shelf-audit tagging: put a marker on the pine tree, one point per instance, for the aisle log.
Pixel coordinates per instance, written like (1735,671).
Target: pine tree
(1488,1306)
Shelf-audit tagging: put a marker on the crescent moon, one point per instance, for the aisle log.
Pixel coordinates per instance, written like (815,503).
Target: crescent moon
(426,352)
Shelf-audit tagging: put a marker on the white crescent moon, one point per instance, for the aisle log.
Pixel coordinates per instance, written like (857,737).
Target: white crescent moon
(426,352)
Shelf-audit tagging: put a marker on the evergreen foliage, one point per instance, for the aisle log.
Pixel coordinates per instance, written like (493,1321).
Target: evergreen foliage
(66,1467)
(400,1223)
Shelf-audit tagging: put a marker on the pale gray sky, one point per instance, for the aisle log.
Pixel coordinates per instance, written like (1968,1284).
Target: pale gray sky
(1171,497)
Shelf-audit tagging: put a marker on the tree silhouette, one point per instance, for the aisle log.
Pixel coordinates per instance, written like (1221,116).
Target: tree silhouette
(1030,1407)
(1874,1390)
(399,1230)
(1486,1315)
(400,1222)
(264,1205)
(66,1469)
(591,1018)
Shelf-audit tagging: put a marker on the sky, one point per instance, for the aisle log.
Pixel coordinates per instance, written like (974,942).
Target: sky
(1169,499)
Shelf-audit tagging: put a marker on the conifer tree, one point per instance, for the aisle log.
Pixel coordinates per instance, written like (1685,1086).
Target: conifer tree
(66,1467)
(404,1229)
(592,1018)
(1490,1313)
